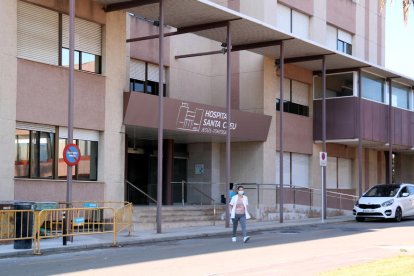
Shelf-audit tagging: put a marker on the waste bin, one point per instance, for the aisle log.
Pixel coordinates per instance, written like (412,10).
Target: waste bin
(39,206)
(6,221)
(23,225)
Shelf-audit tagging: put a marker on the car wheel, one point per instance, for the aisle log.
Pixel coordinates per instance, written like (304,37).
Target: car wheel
(398,215)
(360,219)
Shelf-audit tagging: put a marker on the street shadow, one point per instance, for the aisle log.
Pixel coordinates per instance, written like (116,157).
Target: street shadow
(157,251)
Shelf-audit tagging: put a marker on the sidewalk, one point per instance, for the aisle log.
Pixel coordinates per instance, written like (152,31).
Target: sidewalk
(150,236)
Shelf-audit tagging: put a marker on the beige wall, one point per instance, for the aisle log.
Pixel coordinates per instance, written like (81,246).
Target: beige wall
(341,14)
(190,78)
(42,96)
(404,172)
(147,50)
(268,148)
(251,82)
(112,141)
(55,190)
(8,80)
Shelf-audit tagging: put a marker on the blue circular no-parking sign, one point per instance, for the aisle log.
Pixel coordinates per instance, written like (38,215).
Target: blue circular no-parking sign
(71,154)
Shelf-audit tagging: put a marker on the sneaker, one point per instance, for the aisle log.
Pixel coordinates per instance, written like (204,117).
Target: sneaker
(233,239)
(246,239)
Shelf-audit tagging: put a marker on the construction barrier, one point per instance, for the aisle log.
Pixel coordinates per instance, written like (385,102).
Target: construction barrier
(16,225)
(69,222)
(90,219)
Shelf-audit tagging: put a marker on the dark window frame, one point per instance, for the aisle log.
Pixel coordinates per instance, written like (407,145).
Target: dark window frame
(98,58)
(37,147)
(76,168)
(147,84)
(344,47)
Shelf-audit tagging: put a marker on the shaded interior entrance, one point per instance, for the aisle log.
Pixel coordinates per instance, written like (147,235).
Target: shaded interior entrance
(141,171)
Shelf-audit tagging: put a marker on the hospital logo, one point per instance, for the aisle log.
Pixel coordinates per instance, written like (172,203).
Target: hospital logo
(202,120)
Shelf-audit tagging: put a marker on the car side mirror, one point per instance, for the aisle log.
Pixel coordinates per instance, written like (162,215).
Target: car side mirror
(405,194)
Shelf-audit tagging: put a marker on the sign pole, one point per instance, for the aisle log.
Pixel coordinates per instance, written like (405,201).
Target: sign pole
(323,162)
(322,196)
(70,104)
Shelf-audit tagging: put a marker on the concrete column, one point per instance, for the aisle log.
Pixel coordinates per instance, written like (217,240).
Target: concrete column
(112,140)
(8,88)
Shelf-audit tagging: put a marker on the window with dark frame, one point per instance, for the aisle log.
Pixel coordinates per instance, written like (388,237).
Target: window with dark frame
(146,86)
(290,107)
(344,47)
(35,154)
(35,157)
(87,168)
(83,61)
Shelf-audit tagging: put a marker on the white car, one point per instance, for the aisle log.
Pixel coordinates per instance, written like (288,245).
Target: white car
(388,201)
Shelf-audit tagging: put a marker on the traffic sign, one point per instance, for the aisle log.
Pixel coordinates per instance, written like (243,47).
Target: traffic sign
(323,159)
(71,154)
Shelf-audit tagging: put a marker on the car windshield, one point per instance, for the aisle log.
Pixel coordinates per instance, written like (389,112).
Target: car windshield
(383,191)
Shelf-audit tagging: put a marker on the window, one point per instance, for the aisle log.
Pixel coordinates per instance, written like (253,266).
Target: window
(34,154)
(293,108)
(88,40)
(144,78)
(298,101)
(344,42)
(295,169)
(400,96)
(338,39)
(88,164)
(373,88)
(83,61)
(292,21)
(40,38)
(339,173)
(337,85)
(36,158)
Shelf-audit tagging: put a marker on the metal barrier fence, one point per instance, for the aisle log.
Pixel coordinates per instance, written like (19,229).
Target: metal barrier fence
(68,222)
(91,219)
(14,225)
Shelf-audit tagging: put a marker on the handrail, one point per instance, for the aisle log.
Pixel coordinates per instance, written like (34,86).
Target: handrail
(212,199)
(298,187)
(201,192)
(141,191)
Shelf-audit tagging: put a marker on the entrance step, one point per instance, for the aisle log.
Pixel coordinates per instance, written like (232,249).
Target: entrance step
(144,217)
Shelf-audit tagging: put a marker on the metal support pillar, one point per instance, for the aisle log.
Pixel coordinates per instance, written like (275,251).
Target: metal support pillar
(389,180)
(359,132)
(281,147)
(324,135)
(160,115)
(70,103)
(228,134)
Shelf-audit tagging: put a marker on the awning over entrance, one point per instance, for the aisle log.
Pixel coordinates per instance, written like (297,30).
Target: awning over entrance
(193,122)
(247,34)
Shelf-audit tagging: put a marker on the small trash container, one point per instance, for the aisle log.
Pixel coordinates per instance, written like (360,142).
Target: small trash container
(23,225)
(39,206)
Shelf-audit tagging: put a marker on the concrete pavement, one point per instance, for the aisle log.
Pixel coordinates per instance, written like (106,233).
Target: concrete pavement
(150,236)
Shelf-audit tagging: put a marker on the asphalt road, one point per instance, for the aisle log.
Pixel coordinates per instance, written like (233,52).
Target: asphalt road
(306,250)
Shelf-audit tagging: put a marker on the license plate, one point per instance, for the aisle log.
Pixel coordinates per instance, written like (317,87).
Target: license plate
(369,210)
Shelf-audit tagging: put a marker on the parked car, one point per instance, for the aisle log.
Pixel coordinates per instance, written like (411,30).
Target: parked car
(387,201)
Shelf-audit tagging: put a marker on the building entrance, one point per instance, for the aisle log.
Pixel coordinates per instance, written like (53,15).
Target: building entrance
(141,171)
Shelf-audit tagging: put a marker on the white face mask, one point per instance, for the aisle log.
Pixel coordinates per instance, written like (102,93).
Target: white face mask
(241,192)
